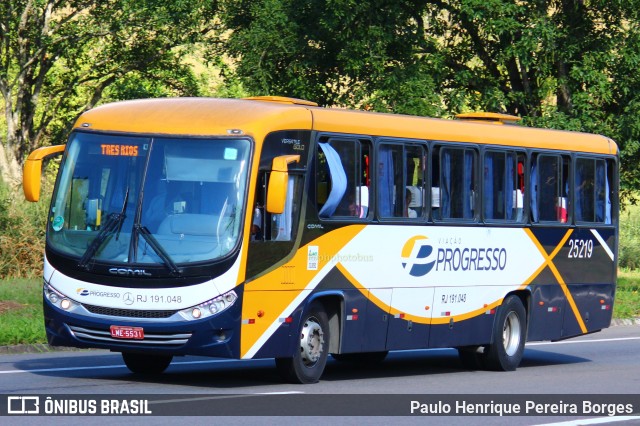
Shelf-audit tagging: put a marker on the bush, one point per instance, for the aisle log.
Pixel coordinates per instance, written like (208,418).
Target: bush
(629,248)
(22,234)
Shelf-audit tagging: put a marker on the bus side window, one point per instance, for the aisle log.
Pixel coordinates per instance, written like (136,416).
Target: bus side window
(457,183)
(550,200)
(592,199)
(503,183)
(275,227)
(343,178)
(520,188)
(401,178)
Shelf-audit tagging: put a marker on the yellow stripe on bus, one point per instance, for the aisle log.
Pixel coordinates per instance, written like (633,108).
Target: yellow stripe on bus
(269,298)
(415,318)
(554,270)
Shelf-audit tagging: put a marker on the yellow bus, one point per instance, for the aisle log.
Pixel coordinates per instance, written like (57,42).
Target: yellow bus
(270,227)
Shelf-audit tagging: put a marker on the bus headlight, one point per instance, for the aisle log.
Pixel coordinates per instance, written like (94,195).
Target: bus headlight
(58,299)
(210,307)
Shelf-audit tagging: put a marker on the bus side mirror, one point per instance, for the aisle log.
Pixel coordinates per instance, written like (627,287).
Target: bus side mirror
(278,183)
(32,173)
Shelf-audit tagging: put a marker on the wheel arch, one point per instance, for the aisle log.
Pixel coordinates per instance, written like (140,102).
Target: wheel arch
(525,297)
(333,304)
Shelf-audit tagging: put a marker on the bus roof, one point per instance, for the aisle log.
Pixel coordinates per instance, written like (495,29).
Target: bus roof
(259,116)
(195,116)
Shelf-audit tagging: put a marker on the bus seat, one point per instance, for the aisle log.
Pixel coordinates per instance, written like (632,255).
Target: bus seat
(416,199)
(518,204)
(363,200)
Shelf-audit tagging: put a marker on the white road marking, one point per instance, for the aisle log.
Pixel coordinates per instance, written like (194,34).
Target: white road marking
(212,397)
(103,367)
(214,361)
(565,342)
(597,421)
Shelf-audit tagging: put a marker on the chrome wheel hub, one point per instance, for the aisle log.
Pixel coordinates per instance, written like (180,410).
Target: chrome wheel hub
(511,334)
(311,342)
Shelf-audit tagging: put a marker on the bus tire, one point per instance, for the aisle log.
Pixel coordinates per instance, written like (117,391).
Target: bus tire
(509,336)
(146,364)
(310,357)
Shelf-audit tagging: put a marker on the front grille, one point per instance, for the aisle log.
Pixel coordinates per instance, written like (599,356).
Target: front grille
(97,335)
(129,313)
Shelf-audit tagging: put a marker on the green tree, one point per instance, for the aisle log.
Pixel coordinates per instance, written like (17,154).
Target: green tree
(340,52)
(59,58)
(568,64)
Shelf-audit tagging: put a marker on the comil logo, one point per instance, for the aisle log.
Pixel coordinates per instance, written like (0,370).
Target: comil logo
(417,256)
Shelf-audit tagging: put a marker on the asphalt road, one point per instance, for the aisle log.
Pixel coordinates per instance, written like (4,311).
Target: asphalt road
(602,363)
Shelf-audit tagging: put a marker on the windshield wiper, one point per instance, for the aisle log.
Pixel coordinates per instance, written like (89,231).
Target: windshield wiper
(112,224)
(157,247)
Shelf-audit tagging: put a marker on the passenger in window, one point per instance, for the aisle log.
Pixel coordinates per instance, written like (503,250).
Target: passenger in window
(408,211)
(355,209)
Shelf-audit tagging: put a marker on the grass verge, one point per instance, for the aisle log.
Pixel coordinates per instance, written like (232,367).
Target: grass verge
(627,304)
(21,319)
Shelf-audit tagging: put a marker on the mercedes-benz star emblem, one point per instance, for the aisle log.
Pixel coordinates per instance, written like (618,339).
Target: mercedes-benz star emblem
(128,298)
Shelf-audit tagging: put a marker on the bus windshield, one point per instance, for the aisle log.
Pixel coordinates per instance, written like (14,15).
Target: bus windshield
(149,200)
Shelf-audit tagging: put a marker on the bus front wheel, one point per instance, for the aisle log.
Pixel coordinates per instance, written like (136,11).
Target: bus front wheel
(309,359)
(509,336)
(146,364)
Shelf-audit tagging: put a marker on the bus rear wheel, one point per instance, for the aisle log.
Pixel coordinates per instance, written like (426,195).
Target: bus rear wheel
(146,364)
(308,361)
(509,336)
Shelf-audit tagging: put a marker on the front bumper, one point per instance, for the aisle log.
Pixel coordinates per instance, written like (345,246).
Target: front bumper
(216,336)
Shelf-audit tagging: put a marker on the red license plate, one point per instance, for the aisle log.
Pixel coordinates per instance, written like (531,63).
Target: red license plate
(120,332)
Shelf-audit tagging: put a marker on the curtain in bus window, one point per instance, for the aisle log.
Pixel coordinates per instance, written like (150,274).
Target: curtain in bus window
(488,186)
(534,192)
(603,204)
(499,186)
(607,213)
(547,189)
(445,186)
(510,186)
(579,179)
(338,181)
(467,186)
(385,181)
(584,208)
(592,202)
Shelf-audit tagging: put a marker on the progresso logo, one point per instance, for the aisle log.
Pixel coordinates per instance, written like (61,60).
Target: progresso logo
(417,257)
(84,292)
